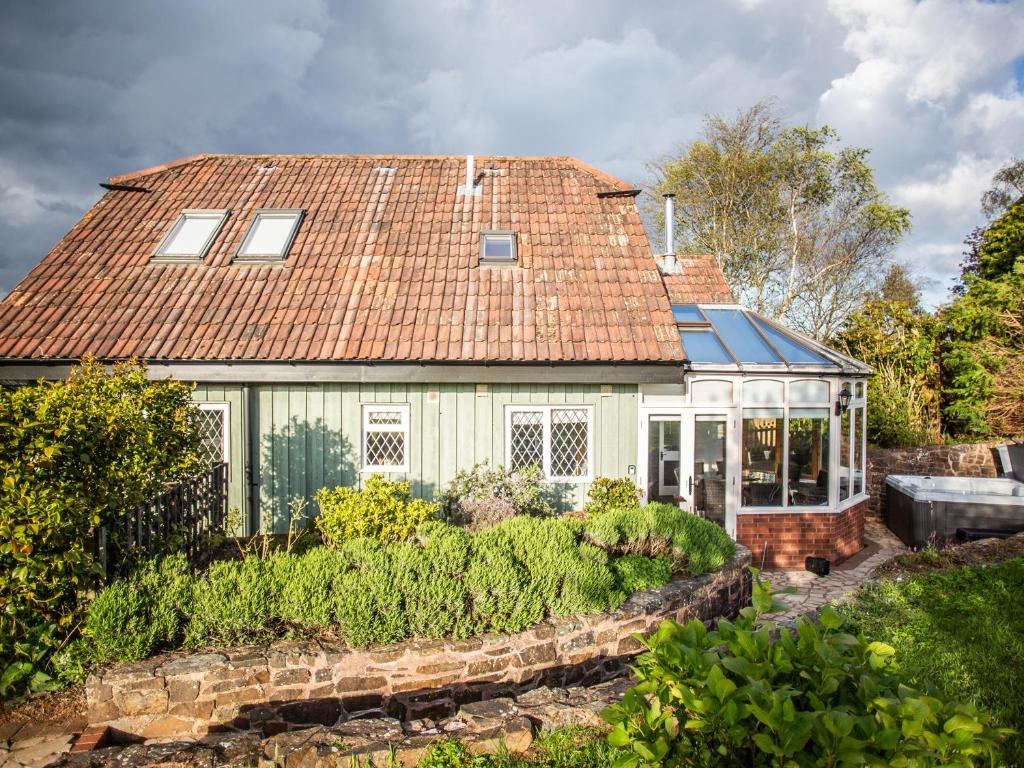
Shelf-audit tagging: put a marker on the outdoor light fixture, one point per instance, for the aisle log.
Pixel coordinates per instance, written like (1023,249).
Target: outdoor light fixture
(843,403)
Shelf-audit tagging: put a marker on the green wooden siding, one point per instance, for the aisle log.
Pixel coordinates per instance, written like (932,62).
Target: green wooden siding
(308,436)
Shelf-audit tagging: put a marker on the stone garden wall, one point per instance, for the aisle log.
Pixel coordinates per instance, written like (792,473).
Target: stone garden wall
(294,684)
(965,460)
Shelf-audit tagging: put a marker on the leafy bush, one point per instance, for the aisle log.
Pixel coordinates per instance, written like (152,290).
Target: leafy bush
(74,454)
(961,629)
(819,696)
(441,582)
(233,602)
(133,618)
(484,496)
(606,494)
(662,529)
(571,747)
(382,510)
(636,572)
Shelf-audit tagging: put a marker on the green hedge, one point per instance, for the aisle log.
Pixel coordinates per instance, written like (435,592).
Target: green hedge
(445,582)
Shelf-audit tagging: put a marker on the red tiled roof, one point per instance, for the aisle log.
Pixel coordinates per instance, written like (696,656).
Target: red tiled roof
(699,281)
(384,267)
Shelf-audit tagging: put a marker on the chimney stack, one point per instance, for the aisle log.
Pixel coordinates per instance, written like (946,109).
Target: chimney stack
(469,189)
(670,244)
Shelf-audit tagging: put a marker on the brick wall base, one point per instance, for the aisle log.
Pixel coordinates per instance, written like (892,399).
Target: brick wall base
(792,536)
(964,460)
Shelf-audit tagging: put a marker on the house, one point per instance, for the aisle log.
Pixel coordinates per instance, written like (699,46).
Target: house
(343,315)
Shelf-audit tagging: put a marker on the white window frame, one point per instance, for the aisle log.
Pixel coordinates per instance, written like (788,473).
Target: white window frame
(225,410)
(161,254)
(545,411)
(499,233)
(862,404)
(296,214)
(785,405)
(402,426)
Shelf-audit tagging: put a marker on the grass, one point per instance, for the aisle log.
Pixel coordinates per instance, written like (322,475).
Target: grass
(572,747)
(961,630)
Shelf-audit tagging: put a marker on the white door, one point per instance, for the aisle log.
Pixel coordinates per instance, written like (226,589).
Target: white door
(708,458)
(668,456)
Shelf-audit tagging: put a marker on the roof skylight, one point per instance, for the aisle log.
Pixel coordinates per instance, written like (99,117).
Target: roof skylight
(270,235)
(191,235)
(734,336)
(498,247)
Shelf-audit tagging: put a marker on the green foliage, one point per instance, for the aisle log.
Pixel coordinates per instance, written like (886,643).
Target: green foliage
(74,454)
(660,529)
(441,582)
(571,747)
(961,630)
(484,496)
(382,510)
(138,616)
(606,494)
(899,342)
(794,219)
(636,572)
(983,331)
(818,696)
(233,602)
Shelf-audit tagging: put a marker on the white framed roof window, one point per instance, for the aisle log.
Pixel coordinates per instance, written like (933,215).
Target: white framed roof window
(270,235)
(191,235)
(498,247)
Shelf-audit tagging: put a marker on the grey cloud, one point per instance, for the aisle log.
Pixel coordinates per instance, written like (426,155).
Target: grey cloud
(91,90)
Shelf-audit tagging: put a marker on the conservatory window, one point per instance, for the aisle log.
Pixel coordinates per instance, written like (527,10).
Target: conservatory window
(857,413)
(763,434)
(385,438)
(845,450)
(557,439)
(762,391)
(711,391)
(808,391)
(808,456)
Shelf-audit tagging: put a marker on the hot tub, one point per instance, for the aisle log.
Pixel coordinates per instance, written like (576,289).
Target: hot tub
(918,509)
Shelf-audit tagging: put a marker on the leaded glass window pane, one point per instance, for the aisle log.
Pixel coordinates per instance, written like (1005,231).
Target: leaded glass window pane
(212,430)
(569,442)
(526,440)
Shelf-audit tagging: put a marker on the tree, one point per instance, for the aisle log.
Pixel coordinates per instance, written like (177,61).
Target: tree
(898,288)
(796,222)
(898,341)
(1007,188)
(983,335)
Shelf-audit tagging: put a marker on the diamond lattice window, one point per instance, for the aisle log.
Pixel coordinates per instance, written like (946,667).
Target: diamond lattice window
(569,442)
(526,439)
(557,439)
(213,432)
(386,437)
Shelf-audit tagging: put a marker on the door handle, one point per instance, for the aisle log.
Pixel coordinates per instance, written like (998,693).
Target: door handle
(689,485)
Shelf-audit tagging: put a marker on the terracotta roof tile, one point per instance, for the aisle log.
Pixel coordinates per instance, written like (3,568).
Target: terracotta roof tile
(383,267)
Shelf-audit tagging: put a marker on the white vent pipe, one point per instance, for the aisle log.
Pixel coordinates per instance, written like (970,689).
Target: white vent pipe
(670,245)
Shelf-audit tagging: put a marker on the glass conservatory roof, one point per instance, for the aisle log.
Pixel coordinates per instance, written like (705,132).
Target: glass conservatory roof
(715,335)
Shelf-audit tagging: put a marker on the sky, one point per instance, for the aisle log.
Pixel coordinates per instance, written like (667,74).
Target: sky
(934,88)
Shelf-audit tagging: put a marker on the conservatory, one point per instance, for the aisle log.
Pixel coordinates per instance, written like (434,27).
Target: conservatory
(766,423)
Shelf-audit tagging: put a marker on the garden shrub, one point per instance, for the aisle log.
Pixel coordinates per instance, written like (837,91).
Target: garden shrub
(484,496)
(606,494)
(140,615)
(662,529)
(233,602)
(634,573)
(74,454)
(440,582)
(382,510)
(817,696)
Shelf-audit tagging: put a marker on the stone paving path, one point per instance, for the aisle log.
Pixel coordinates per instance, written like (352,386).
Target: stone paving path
(31,745)
(814,592)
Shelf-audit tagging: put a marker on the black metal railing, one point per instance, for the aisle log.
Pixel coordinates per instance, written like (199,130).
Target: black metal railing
(185,518)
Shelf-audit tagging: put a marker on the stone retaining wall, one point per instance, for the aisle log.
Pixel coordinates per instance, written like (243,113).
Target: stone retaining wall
(965,460)
(298,684)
